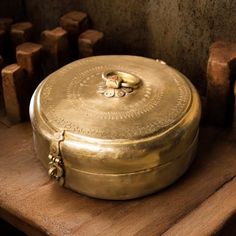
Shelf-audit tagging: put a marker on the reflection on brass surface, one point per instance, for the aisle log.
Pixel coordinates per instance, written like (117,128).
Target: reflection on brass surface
(129,125)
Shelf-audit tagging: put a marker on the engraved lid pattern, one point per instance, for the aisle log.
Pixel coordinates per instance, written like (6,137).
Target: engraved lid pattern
(69,99)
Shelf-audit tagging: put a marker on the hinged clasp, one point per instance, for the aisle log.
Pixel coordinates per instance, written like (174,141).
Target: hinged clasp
(56,165)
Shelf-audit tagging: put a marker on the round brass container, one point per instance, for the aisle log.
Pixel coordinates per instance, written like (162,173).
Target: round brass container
(115,127)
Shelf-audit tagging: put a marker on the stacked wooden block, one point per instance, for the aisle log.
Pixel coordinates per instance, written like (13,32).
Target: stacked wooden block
(87,41)
(24,63)
(20,77)
(221,85)
(70,41)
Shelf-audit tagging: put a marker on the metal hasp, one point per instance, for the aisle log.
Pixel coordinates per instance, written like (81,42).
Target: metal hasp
(56,169)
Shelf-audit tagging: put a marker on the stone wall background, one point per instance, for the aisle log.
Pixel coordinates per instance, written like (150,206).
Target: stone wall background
(176,31)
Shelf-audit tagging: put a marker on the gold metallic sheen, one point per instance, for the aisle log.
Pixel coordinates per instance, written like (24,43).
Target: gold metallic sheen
(115,127)
(56,165)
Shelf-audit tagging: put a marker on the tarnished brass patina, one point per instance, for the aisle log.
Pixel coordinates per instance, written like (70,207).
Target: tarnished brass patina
(115,127)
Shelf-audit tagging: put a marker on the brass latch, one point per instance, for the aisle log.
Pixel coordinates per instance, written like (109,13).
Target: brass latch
(56,168)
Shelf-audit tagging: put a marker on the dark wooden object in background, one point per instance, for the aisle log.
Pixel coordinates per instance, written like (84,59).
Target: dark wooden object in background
(74,22)
(5,23)
(28,56)
(198,204)
(21,32)
(221,73)
(90,43)
(13,91)
(55,49)
(59,47)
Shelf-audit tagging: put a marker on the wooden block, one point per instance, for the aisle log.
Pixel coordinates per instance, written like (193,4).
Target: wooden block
(28,56)
(90,43)
(55,49)
(74,22)
(221,65)
(5,23)
(21,32)
(13,88)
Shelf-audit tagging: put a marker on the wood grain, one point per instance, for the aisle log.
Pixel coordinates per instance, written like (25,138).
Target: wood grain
(209,217)
(29,195)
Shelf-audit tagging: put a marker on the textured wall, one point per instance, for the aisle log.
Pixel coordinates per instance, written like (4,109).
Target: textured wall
(177,31)
(12,8)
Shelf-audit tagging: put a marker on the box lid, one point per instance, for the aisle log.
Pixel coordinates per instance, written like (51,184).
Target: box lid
(114,97)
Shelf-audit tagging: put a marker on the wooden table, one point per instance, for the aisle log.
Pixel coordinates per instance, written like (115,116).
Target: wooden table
(202,202)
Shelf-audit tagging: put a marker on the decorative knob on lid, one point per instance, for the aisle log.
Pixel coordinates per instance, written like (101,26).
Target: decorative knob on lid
(118,83)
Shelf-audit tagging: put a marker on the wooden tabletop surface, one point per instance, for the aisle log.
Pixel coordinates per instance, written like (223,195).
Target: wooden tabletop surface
(202,202)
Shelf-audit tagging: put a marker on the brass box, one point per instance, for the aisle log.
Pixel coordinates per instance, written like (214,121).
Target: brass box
(115,127)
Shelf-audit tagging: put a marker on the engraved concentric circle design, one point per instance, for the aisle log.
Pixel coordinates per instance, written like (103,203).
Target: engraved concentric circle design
(124,111)
(69,99)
